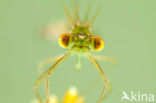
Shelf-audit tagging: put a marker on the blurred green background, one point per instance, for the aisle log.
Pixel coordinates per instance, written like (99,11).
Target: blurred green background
(127,26)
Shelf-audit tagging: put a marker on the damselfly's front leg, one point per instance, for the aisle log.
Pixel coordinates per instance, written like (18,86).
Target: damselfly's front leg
(112,61)
(47,89)
(46,62)
(106,82)
(46,74)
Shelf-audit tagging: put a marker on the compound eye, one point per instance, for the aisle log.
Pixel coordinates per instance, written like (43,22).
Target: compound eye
(64,40)
(98,43)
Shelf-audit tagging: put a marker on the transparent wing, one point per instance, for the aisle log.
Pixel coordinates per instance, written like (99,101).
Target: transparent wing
(53,30)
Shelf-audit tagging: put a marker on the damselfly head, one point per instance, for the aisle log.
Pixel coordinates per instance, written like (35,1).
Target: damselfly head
(81,42)
(79,38)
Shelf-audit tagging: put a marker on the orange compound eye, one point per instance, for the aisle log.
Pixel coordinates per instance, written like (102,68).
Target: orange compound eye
(98,43)
(64,40)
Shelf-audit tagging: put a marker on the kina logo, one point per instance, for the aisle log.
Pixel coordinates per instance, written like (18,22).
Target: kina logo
(137,96)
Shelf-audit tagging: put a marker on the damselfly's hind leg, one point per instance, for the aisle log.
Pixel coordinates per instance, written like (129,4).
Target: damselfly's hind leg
(87,15)
(94,16)
(76,13)
(74,20)
(68,14)
(47,74)
(106,81)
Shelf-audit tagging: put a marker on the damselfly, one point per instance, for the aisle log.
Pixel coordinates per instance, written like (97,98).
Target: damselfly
(81,41)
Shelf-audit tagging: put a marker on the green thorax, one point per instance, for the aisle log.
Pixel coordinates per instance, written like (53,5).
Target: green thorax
(81,29)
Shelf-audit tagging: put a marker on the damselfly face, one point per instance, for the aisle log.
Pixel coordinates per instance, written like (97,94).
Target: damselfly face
(80,39)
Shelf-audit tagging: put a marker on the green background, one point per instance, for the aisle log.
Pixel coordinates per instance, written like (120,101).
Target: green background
(127,26)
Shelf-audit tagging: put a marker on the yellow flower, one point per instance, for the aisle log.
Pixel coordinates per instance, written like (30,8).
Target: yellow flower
(71,96)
